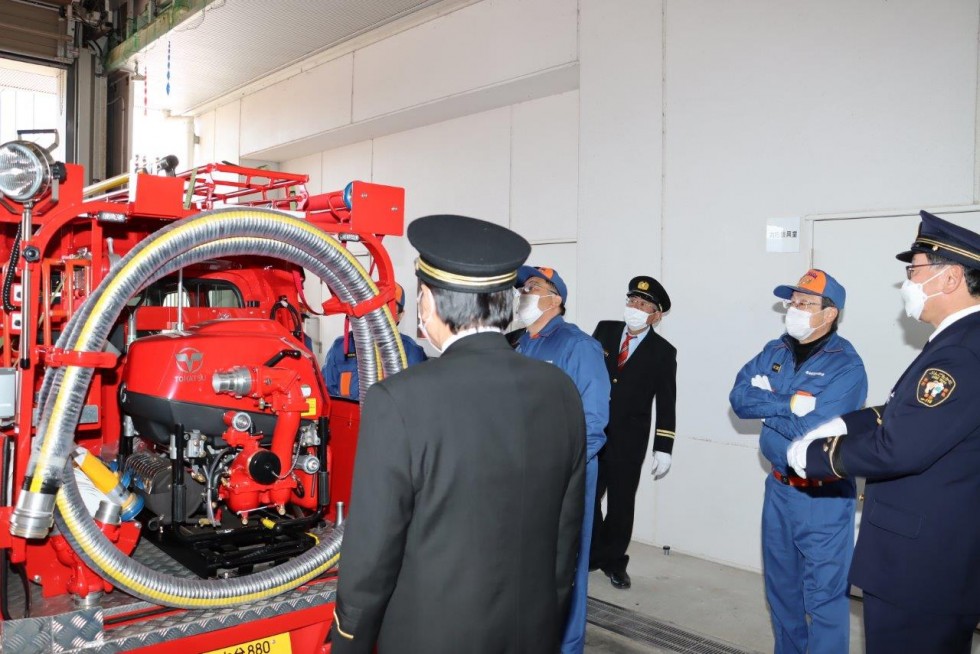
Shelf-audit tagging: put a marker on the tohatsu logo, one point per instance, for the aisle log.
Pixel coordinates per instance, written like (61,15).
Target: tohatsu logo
(189,362)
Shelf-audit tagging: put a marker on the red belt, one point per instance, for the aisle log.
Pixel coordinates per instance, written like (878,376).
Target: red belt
(800,482)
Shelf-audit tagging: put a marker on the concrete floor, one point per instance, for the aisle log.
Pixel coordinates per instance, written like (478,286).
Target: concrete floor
(709,599)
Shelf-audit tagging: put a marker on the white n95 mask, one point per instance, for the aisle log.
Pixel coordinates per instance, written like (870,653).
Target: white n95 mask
(915,298)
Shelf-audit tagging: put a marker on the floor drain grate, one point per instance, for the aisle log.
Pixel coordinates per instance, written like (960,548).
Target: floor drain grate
(647,630)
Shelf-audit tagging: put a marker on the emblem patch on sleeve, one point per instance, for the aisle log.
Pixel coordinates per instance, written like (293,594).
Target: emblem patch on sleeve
(935,387)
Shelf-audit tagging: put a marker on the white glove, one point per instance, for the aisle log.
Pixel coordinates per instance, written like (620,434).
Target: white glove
(796,453)
(802,404)
(762,381)
(661,465)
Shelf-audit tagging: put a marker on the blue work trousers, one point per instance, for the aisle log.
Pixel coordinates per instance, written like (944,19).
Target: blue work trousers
(807,543)
(574,639)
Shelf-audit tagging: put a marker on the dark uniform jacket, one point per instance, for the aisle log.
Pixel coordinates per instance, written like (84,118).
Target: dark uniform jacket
(651,371)
(466,507)
(919,543)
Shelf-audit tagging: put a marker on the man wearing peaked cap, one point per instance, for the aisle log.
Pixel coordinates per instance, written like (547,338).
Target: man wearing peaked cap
(340,370)
(541,307)
(467,499)
(917,552)
(796,383)
(642,367)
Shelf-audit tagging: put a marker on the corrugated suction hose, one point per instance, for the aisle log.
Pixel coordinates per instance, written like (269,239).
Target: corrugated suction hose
(219,233)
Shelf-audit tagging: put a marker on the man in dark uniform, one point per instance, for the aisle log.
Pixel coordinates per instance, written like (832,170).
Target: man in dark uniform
(467,500)
(917,557)
(642,367)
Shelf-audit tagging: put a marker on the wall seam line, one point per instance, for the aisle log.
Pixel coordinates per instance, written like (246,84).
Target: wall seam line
(663,133)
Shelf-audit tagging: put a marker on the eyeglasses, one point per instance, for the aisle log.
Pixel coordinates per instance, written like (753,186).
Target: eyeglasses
(530,288)
(643,305)
(803,306)
(910,270)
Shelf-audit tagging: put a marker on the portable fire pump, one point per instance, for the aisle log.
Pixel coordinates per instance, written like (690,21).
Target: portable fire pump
(172,467)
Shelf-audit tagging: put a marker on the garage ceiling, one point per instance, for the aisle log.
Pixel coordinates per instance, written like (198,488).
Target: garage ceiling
(232,43)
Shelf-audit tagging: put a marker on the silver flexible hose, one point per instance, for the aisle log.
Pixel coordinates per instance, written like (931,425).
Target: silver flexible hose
(342,273)
(139,266)
(156,587)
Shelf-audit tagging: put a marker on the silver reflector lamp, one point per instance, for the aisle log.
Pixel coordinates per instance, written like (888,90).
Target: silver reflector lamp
(25,171)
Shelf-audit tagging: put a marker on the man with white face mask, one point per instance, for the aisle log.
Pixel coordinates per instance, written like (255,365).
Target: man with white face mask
(642,367)
(796,383)
(550,338)
(917,555)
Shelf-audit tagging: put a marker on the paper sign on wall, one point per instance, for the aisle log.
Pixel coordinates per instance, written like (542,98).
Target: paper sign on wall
(783,234)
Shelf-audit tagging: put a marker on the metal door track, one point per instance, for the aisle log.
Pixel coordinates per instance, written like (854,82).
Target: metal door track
(647,630)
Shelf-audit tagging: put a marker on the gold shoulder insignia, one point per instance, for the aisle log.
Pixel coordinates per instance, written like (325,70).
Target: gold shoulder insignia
(935,387)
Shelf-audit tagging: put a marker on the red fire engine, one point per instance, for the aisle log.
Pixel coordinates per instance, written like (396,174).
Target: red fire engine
(171,463)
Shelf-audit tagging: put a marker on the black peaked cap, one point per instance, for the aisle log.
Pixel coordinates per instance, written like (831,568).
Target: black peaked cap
(938,236)
(651,290)
(466,254)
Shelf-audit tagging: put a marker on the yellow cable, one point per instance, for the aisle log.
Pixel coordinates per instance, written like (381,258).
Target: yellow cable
(103,478)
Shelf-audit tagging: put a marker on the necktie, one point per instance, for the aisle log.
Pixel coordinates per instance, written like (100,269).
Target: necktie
(624,350)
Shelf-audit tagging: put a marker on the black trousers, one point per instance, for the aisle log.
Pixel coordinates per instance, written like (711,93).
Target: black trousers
(889,628)
(611,533)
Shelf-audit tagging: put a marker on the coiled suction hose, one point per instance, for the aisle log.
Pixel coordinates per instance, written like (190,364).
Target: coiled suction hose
(220,233)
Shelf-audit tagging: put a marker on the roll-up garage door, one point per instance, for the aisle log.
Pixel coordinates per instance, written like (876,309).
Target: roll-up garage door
(35,30)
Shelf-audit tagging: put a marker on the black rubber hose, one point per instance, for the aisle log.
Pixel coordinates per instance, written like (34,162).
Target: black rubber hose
(6,457)
(8,279)
(283,303)
(4,611)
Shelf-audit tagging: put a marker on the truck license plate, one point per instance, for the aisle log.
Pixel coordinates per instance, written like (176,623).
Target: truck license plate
(278,644)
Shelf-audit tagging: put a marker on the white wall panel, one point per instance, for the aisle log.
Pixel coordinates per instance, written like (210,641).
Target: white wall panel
(205,133)
(344,165)
(619,187)
(227,131)
(8,110)
(459,166)
(480,45)
(314,101)
(544,168)
(709,504)
(312,166)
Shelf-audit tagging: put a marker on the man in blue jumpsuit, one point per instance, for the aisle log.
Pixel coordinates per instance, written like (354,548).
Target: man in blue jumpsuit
(548,337)
(917,557)
(796,383)
(340,370)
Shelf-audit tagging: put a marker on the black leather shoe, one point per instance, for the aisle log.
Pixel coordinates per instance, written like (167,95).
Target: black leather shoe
(619,580)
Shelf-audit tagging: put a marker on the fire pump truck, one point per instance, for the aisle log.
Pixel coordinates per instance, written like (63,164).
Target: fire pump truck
(171,462)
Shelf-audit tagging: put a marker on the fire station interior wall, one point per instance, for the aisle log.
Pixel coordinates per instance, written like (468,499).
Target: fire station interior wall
(691,122)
